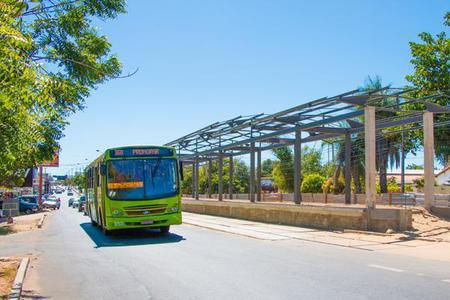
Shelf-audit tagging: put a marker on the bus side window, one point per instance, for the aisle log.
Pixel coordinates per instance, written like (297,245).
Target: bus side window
(97,176)
(90,178)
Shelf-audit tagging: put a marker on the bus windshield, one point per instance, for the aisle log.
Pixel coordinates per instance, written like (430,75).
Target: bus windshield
(141,179)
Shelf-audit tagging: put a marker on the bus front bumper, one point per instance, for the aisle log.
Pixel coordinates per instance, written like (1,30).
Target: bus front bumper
(142,222)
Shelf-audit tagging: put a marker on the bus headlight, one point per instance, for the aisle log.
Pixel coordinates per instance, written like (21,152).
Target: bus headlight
(116,212)
(173,209)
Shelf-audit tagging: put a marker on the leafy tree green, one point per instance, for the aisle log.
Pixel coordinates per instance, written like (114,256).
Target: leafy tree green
(283,170)
(431,75)
(311,161)
(240,177)
(78,181)
(51,56)
(413,166)
(312,183)
(267,167)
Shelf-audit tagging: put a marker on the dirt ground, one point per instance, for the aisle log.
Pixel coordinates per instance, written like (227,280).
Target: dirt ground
(427,225)
(8,270)
(21,223)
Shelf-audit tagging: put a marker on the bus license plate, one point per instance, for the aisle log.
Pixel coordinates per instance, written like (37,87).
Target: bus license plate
(146,222)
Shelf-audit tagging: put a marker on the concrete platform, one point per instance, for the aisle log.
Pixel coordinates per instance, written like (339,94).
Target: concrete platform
(307,215)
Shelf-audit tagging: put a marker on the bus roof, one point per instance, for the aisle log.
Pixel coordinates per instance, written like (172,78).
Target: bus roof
(109,150)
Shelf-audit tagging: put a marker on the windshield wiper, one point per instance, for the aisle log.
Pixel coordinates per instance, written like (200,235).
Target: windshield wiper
(155,169)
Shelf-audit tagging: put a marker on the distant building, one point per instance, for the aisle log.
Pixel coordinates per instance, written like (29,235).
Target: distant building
(410,175)
(442,176)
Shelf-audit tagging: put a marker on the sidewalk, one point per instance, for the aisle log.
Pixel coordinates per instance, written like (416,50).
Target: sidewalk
(395,243)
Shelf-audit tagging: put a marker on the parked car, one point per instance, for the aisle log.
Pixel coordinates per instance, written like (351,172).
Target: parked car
(30,198)
(71,201)
(27,206)
(81,203)
(70,193)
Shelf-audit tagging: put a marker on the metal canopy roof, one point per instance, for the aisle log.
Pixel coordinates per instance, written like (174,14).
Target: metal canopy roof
(324,118)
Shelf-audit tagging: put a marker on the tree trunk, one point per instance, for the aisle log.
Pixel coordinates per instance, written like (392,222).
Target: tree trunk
(337,173)
(383,173)
(356,178)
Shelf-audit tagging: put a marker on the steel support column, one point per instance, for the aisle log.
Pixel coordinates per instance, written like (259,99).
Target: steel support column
(193,180)
(347,173)
(220,171)
(210,178)
(230,179)
(370,161)
(297,166)
(196,179)
(402,163)
(251,185)
(258,175)
(428,157)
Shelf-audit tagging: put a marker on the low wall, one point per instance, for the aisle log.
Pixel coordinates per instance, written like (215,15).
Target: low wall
(324,217)
(443,212)
(383,199)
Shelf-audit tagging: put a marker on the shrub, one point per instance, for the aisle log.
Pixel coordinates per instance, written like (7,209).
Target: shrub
(312,183)
(419,183)
(328,186)
(408,187)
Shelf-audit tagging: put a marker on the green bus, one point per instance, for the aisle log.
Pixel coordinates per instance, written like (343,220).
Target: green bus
(134,187)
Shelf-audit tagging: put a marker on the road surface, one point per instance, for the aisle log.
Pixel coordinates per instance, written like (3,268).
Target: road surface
(73,260)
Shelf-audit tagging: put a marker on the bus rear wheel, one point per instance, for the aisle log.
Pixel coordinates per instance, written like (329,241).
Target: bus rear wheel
(164,229)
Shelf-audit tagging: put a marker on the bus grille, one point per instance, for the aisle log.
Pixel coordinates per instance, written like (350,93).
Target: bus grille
(145,210)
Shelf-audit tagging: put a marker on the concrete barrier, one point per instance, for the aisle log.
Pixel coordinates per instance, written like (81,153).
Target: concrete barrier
(443,212)
(324,217)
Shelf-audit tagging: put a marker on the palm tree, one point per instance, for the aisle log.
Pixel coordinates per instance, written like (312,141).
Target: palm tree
(388,145)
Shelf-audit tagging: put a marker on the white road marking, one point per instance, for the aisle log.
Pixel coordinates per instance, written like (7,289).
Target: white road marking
(386,268)
(446,280)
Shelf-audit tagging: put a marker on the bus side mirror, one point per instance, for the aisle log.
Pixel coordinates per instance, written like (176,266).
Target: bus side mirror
(103,169)
(181,171)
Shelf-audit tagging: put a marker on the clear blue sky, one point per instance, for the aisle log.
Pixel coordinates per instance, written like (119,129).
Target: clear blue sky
(203,61)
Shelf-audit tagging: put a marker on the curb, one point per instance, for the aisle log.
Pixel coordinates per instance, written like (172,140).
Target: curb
(367,232)
(41,221)
(16,290)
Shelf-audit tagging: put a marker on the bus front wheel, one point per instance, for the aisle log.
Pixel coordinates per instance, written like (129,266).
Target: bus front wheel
(105,231)
(164,229)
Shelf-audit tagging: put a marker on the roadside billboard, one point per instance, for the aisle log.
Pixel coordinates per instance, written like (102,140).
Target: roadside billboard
(52,163)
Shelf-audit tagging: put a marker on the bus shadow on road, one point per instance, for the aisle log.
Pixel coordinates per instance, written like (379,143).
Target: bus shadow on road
(130,237)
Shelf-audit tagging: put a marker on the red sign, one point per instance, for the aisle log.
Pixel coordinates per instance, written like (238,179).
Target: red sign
(52,163)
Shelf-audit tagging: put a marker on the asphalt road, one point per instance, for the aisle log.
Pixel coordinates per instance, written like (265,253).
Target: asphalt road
(75,261)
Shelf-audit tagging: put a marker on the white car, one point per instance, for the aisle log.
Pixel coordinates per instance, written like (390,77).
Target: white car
(75,203)
(52,203)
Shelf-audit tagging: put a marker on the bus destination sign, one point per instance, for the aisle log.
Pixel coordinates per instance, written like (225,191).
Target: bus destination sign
(137,152)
